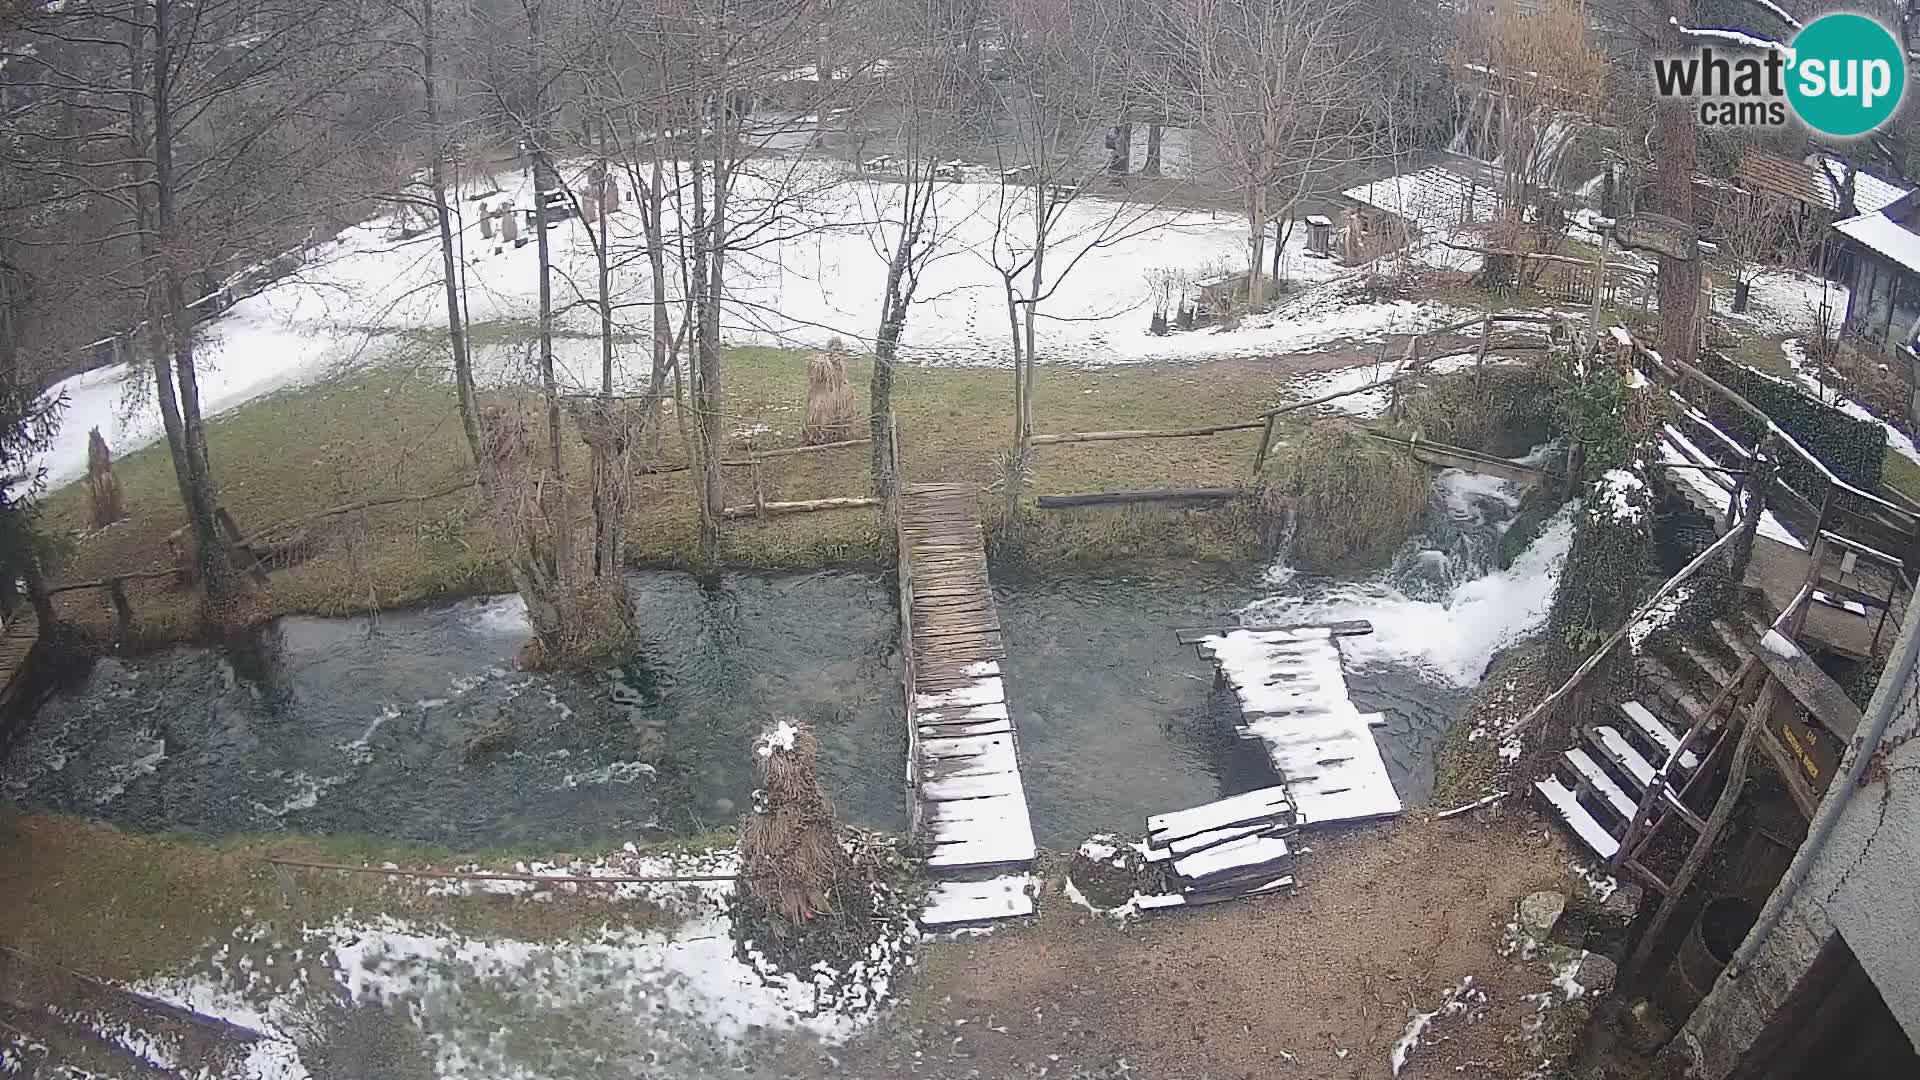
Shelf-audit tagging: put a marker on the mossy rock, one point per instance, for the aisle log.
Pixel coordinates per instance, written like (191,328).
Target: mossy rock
(1354,501)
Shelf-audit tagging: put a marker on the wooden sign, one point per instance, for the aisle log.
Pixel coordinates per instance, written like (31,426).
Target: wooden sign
(1659,234)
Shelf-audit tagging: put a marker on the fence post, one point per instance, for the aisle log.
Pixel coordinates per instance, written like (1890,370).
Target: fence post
(122,610)
(759,490)
(1266,443)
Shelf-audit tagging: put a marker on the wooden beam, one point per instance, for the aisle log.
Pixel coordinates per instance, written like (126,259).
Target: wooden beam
(1188,635)
(1112,498)
(1111,436)
(1702,844)
(1454,457)
(802,507)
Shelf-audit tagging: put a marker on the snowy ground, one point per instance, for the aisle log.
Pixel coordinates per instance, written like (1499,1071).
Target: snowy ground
(1783,302)
(491,1007)
(812,271)
(1796,354)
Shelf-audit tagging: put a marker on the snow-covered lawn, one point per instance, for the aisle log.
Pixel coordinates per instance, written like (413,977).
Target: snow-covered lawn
(812,272)
(609,1001)
(1783,302)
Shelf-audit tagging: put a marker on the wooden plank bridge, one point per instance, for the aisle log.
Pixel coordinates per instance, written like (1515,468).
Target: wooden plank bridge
(968,806)
(19,644)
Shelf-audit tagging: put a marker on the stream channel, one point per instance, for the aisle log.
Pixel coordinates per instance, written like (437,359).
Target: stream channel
(414,725)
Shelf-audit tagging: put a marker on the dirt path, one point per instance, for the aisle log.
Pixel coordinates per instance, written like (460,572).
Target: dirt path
(1317,985)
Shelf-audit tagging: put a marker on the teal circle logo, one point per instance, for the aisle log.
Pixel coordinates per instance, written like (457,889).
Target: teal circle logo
(1848,75)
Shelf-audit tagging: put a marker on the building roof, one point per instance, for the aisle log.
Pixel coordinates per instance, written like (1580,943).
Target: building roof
(1882,234)
(1812,181)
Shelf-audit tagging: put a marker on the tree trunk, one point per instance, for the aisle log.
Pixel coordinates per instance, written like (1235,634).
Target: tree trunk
(172,322)
(886,345)
(1676,154)
(1151,166)
(1257,239)
(654,206)
(1120,150)
(449,259)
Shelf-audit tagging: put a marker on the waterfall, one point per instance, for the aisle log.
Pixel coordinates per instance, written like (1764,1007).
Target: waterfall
(1477,135)
(1442,607)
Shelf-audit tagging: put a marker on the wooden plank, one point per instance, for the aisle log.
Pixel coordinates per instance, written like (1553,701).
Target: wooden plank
(1813,688)
(1249,806)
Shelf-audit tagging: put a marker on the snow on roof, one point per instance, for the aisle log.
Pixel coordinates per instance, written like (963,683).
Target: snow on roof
(1814,180)
(1884,235)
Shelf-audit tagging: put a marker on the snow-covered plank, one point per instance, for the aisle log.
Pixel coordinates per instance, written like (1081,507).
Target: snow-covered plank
(1615,746)
(1332,766)
(995,757)
(973,714)
(1854,607)
(1234,855)
(954,903)
(1015,845)
(966,746)
(1187,845)
(1596,778)
(1262,803)
(971,787)
(1011,807)
(964,731)
(1661,735)
(986,691)
(1591,832)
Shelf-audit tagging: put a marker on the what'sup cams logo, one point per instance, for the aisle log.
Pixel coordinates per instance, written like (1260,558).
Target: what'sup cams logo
(1842,75)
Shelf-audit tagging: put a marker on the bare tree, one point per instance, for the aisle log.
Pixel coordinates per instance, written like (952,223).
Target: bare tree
(211,129)
(1287,90)
(914,222)
(1540,74)
(1055,101)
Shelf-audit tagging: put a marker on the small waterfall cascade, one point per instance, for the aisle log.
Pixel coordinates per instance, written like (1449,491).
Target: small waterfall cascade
(1561,160)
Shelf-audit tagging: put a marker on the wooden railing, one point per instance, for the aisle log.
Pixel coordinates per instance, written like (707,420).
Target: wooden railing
(761,508)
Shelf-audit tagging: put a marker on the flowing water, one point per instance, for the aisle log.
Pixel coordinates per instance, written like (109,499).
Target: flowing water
(415,726)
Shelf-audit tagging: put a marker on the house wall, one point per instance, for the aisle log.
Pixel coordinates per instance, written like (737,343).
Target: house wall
(1884,305)
(1864,884)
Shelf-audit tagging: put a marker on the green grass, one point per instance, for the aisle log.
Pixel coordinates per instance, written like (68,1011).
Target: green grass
(393,428)
(124,905)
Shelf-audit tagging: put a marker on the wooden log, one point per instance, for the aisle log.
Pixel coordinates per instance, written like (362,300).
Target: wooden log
(1111,436)
(787,451)
(1112,498)
(804,506)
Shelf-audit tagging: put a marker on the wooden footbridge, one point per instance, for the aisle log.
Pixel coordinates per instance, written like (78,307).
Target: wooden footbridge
(968,806)
(19,643)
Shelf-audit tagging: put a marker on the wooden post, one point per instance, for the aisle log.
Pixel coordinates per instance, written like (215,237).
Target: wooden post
(759,487)
(1756,481)
(1486,338)
(1703,844)
(237,543)
(122,610)
(1266,444)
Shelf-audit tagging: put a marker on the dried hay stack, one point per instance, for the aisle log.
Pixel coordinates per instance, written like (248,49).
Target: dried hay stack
(102,486)
(794,869)
(1353,501)
(830,412)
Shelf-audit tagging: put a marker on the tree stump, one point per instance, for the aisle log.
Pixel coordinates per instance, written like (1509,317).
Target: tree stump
(102,486)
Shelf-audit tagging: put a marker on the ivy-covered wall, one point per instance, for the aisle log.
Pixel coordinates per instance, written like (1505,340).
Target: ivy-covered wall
(1853,448)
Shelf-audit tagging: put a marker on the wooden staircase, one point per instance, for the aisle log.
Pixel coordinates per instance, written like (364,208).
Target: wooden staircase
(1647,766)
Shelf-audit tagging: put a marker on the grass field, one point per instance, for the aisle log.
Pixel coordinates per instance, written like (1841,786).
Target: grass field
(392,428)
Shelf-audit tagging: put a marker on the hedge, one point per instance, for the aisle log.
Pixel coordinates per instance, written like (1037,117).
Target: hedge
(1853,448)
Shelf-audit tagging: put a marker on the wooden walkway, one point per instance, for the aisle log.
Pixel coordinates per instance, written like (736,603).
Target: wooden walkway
(1293,699)
(18,643)
(969,809)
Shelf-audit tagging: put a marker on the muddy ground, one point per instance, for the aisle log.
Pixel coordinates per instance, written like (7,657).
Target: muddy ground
(1320,984)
